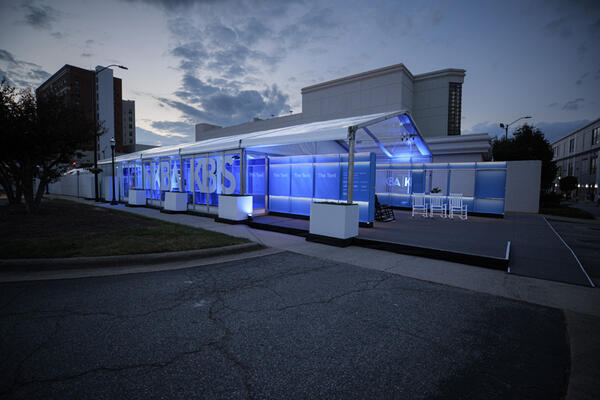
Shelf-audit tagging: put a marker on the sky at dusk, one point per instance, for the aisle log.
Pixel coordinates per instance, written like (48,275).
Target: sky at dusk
(225,62)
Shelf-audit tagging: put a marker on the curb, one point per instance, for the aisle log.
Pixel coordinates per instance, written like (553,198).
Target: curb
(44,264)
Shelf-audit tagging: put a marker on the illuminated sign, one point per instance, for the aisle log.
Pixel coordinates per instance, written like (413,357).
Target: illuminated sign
(215,175)
(395,181)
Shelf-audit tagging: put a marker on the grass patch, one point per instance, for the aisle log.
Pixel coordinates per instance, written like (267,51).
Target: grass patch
(69,229)
(566,211)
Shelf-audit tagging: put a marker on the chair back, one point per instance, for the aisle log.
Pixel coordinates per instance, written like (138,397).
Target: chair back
(436,201)
(419,199)
(455,202)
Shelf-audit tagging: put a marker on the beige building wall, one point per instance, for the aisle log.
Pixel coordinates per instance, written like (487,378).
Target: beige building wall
(580,159)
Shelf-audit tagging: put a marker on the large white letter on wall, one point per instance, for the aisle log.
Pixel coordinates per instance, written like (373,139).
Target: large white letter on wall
(165,175)
(228,176)
(209,175)
(199,174)
(147,176)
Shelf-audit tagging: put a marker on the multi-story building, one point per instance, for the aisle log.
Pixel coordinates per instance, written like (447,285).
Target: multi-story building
(99,95)
(433,99)
(576,154)
(129,126)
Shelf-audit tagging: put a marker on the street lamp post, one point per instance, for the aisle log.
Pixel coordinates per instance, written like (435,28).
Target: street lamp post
(505,126)
(112,147)
(97,198)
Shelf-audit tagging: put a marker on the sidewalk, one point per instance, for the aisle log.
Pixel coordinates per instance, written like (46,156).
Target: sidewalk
(568,297)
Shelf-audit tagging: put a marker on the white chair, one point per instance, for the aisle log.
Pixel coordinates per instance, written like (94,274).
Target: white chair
(436,204)
(418,204)
(455,205)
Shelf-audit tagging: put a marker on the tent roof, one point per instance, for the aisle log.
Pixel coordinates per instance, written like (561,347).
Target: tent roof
(330,130)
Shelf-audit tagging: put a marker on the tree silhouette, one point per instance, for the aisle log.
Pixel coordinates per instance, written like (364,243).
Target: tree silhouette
(38,140)
(528,143)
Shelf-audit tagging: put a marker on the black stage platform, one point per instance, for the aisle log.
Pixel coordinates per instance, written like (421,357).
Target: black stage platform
(534,250)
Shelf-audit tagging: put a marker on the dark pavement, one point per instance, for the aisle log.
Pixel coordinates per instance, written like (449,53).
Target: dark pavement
(583,237)
(535,249)
(280,326)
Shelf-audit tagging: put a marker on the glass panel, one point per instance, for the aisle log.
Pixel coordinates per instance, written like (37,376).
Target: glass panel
(138,175)
(279,184)
(165,177)
(462,181)
(490,183)
(175,174)
(148,178)
(214,173)
(301,184)
(155,180)
(327,177)
(231,174)
(187,178)
(255,180)
(200,187)
(439,181)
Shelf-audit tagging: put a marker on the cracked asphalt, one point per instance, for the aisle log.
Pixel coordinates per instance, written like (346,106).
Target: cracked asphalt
(279,326)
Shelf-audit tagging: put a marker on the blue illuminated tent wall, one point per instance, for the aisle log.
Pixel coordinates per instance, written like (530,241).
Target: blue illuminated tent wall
(286,169)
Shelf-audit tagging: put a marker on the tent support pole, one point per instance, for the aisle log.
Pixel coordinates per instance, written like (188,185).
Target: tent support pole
(243,172)
(352,140)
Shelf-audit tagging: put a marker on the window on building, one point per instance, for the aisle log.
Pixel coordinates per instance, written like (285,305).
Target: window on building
(596,136)
(593,165)
(555,151)
(570,169)
(571,145)
(454,108)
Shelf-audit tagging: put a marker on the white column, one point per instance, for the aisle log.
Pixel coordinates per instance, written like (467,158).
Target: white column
(352,139)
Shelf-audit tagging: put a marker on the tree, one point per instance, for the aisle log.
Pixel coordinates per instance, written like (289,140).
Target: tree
(567,184)
(528,143)
(38,141)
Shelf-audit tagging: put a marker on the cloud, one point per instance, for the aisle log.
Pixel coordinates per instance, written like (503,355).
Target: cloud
(171,5)
(231,107)
(86,55)
(6,56)
(149,137)
(315,23)
(552,105)
(21,74)
(561,27)
(573,105)
(581,78)
(555,130)
(175,128)
(41,17)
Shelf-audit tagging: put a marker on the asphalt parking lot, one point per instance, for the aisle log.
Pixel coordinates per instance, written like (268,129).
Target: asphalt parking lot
(584,238)
(278,326)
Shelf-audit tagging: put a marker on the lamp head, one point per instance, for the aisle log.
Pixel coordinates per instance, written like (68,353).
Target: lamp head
(112,143)
(501,125)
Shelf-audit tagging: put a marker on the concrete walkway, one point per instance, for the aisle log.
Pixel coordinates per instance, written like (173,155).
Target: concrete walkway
(578,299)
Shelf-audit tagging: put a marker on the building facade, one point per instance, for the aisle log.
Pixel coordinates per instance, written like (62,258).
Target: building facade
(433,99)
(576,154)
(98,95)
(129,126)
